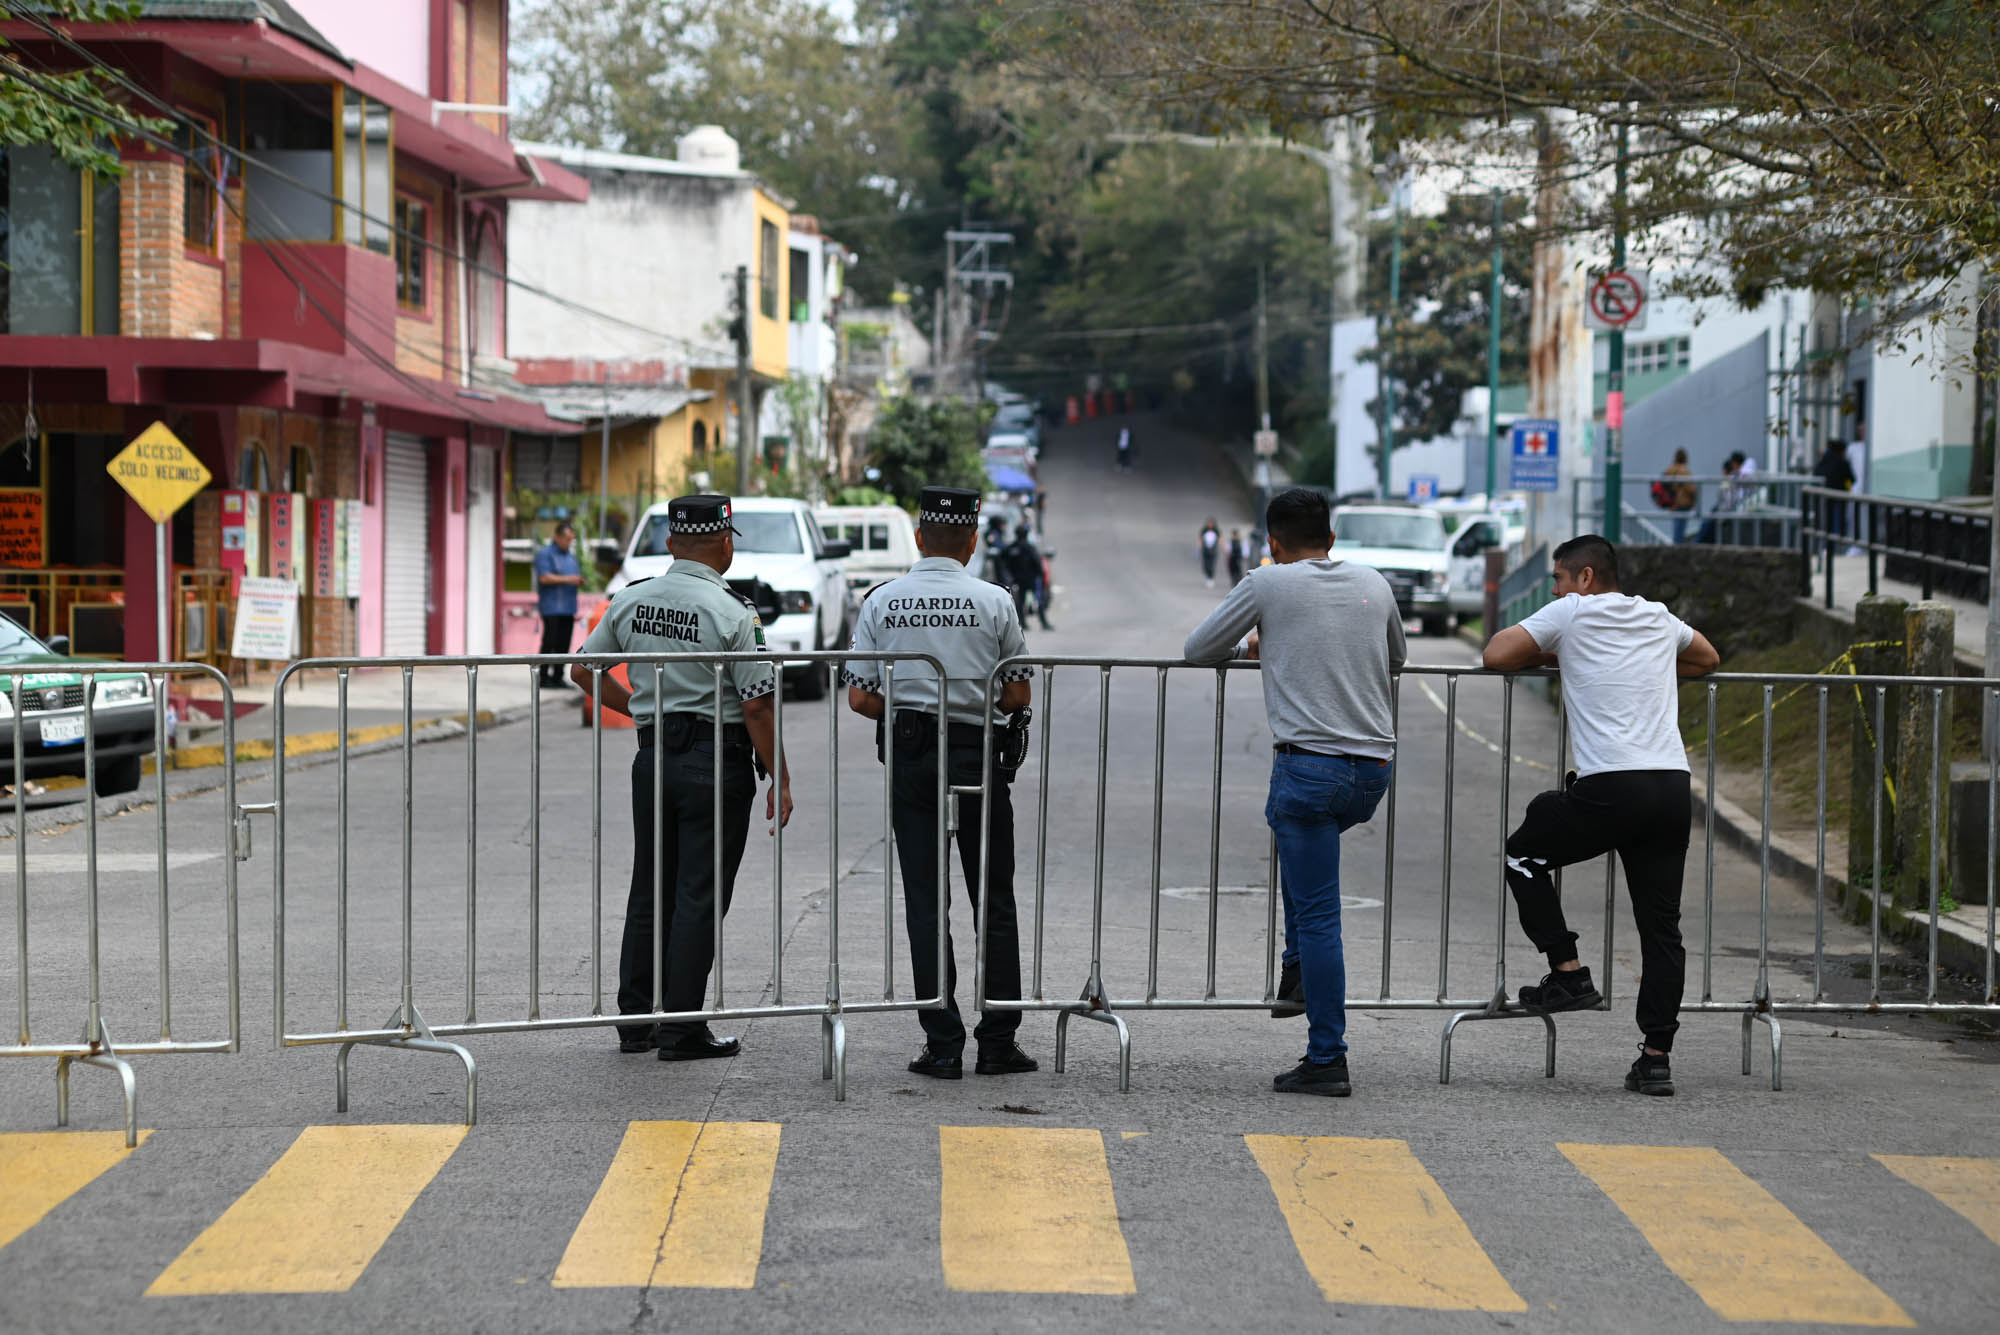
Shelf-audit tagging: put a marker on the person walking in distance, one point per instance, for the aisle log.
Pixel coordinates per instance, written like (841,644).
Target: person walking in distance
(1124,449)
(1211,540)
(558,575)
(1237,557)
(1330,637)
(1620,658)
(1024,567)
(970,627)
(688,610)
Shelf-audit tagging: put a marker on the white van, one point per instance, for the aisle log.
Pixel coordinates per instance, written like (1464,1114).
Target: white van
(784,565)
(881,541)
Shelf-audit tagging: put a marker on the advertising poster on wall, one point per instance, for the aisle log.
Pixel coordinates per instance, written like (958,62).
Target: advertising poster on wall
(22,528)
(267,619)
(329,555)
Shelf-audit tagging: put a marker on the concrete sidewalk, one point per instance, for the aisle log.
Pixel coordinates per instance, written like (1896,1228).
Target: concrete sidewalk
(1850,585)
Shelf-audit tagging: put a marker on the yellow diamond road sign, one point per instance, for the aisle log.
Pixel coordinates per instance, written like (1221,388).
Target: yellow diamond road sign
(158,472)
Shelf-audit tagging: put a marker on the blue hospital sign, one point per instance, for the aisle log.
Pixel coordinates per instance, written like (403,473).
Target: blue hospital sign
(1423,488)
(1535,467)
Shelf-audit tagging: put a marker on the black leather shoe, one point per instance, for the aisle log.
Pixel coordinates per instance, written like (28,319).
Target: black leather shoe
(647,1043)
(938,1065)
(698,1046)
(1009,1060)
(1310,1077)
(1291,994)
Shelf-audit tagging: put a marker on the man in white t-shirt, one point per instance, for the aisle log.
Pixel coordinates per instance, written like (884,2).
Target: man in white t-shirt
(1620,659)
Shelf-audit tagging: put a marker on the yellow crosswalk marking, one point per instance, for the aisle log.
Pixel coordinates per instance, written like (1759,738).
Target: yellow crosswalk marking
(1735,1245)
(1969,1186)
(681,1207)
(1372,1226)
(316,1219)
(1030,1210)
(39,1170)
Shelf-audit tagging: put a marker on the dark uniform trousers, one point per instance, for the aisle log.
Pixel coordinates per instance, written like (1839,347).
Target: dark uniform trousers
(556,634)
(1643,816)
(914,788)
(686,812)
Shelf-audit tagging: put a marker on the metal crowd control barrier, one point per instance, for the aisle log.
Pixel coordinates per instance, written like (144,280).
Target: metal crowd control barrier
(1100,1001)
(96,1047)
(407,1027)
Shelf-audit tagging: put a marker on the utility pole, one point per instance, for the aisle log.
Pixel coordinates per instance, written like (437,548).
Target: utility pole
(1395,320)
(743,409)
(970,262)
(1263,354)
(1614,395)
(1493,358)
(604,459)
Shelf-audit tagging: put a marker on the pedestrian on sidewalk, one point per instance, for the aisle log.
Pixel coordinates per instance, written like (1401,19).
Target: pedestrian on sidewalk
(970,627)
(1024,573)
(1835,473)
(688,610)
(1620,657)
(1330,637)
(1237,557)
(1680,497)
(1211,541)
(558,575)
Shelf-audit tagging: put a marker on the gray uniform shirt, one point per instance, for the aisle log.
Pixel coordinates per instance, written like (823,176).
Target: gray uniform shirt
(688,610)
(941,609)
(1329,636)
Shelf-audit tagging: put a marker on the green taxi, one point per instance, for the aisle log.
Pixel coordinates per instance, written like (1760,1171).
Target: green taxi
(44,683)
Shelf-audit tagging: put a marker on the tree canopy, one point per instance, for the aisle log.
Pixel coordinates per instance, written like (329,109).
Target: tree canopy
(70,110)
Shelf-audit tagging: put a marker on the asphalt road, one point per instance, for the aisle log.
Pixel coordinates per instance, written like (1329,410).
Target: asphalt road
(601,1191)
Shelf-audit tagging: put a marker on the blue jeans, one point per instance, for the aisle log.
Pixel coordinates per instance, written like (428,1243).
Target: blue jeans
(1313,799)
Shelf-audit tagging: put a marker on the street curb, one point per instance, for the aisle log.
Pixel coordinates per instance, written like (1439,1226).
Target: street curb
(42,820)
(1961,949)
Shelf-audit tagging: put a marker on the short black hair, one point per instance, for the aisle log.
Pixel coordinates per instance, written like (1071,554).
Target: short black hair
(948,539)
(565,527)
(1299,517)
(1589,551)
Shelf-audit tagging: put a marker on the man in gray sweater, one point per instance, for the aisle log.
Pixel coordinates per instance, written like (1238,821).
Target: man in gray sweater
(1329,636)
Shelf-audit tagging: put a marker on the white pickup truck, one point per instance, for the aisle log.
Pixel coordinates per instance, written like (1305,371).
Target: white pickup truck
(784,564)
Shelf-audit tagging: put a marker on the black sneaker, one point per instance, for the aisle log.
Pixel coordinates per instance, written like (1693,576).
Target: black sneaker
(1005,1059)
(1650,1074)
(1310,1077)
(1562,990)
(938,1065)
(1291,994)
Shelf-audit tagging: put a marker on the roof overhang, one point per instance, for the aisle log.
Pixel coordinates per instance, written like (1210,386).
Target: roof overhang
(250,372)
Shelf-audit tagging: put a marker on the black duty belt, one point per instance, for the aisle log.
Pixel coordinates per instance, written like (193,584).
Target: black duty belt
(958,734)
(733,734)
(1294,749)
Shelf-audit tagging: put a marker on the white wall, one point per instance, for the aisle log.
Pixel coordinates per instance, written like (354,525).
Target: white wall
(1442,458)
(653,250)
(393,36)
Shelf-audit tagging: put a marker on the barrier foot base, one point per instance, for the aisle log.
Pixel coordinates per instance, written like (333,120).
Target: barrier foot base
(105,1058)
(1777,1046)
(1109,1017)
(1497,1011)
(420,1039)
(833,1054)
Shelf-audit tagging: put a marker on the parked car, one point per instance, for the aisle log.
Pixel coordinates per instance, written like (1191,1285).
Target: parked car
(881,541)
(52,694)
(1407,544)
(1477,534)
(784,565)
(1012,448)
(1018,418)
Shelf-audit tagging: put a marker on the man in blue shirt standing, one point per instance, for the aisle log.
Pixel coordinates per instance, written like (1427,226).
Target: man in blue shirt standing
(558,574)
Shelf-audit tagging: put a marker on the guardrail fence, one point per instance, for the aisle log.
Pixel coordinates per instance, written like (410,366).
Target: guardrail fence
(98,723)
(1130,896)
(1918,542)
(423,814)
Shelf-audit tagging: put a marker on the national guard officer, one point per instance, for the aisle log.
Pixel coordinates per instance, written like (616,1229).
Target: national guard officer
(687,610)
(940,608)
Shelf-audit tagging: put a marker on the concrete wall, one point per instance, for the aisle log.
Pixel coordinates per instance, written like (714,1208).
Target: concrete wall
(1711,413)
(1739,597)
(649,248)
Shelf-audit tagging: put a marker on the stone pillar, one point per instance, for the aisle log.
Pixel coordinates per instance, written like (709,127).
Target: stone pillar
(1928,651)
(1878,625)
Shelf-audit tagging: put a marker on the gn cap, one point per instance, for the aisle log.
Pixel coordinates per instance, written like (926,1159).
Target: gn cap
(694,515)
(948,505)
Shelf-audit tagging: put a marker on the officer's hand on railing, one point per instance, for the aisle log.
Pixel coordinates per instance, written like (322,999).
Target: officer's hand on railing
(771,797)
